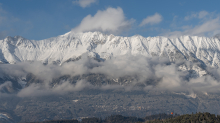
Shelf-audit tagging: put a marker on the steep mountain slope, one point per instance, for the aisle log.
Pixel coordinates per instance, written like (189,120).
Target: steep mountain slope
(72,45)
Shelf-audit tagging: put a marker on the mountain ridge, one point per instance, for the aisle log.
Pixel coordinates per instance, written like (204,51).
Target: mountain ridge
(98,45)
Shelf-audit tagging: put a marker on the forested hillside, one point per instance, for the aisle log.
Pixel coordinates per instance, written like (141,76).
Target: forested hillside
(158,118)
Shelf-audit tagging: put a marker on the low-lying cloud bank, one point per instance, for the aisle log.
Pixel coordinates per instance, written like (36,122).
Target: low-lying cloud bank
(148,74)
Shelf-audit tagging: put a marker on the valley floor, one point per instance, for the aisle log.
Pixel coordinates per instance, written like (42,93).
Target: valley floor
(102,104)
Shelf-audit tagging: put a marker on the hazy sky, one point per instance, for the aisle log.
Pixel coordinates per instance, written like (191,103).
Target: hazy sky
(40,19)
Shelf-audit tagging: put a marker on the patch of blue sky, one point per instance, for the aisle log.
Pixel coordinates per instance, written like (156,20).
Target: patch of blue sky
(40,19)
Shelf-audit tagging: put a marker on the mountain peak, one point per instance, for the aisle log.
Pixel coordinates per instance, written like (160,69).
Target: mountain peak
(15,38)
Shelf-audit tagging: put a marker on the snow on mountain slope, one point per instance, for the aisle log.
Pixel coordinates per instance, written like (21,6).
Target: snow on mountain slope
(4,118)
(72,45)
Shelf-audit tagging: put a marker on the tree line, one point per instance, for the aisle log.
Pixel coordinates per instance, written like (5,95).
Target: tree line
(157,118)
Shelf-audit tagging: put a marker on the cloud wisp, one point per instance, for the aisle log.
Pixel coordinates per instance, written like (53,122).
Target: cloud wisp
(208,24)
(111,20)
(199,15)
(42,90)
(84,3)
(208,28)
(154,19)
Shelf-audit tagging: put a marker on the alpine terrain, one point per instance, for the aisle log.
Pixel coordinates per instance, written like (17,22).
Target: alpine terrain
(91,74)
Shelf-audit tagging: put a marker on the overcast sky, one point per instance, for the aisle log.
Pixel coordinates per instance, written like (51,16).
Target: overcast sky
(40,19)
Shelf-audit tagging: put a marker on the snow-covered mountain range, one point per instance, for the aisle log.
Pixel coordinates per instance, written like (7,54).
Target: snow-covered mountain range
(72,45)
(189,80)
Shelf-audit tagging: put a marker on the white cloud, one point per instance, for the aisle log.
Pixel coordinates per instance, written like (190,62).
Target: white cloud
(155,19)
(42,90)
(110,20)
(190,16)
(199,15)
(150,73)
(208,28)
(202,14)
(84,3)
